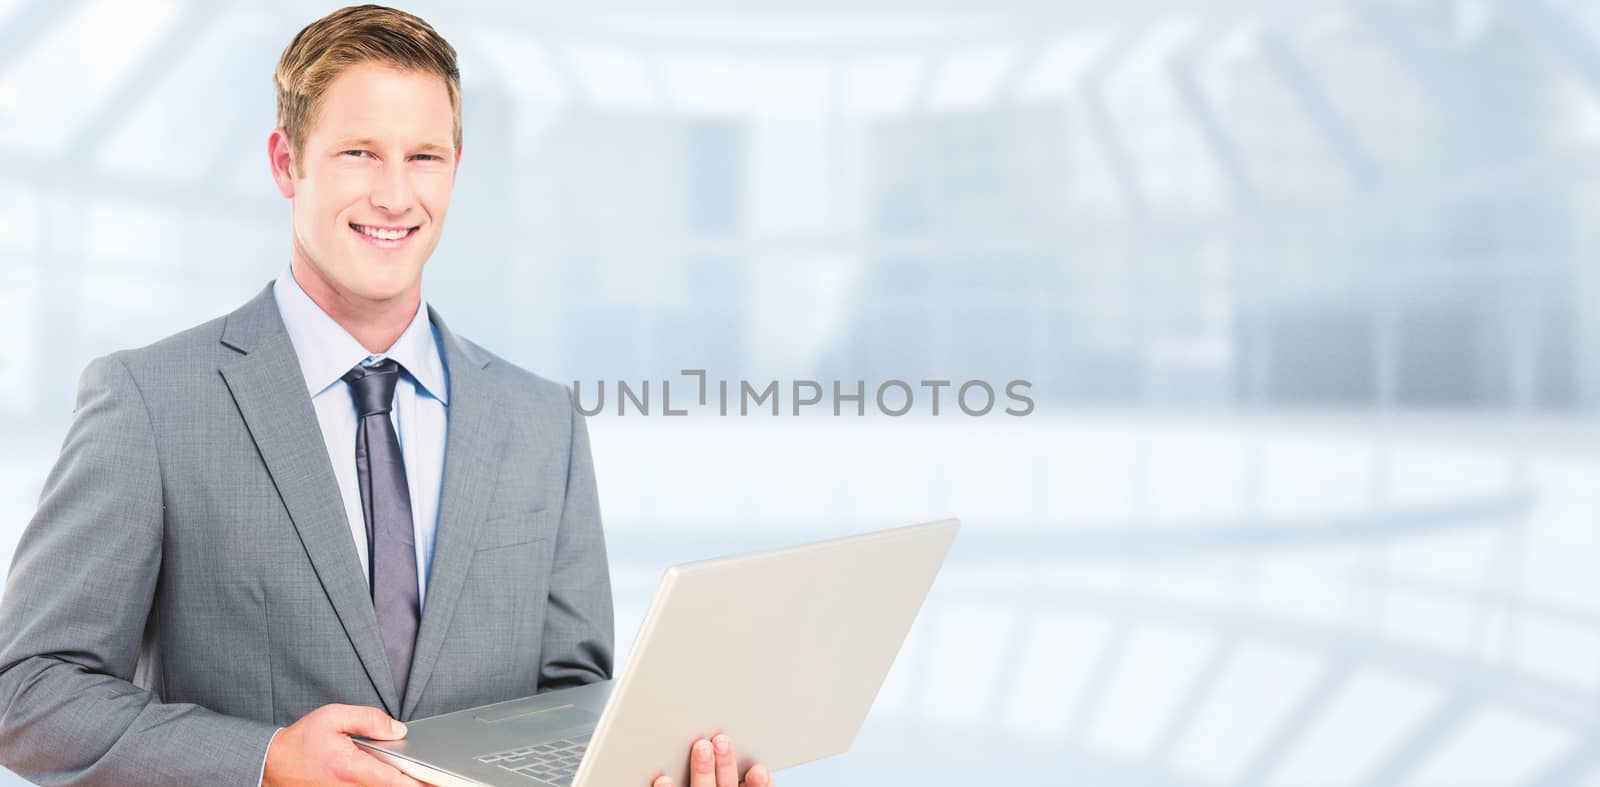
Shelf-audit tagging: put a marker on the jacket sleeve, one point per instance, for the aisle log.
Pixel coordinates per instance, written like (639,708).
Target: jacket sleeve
(73,616)
(578,629)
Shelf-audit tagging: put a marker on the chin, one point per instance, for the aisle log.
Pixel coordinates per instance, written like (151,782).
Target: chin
(387,284)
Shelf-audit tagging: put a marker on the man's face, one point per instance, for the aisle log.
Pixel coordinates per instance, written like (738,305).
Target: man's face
(370,191)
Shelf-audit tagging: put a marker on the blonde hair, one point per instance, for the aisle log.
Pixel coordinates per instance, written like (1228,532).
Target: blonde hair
(350,36)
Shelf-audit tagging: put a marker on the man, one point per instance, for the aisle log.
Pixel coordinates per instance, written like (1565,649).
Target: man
(323,512)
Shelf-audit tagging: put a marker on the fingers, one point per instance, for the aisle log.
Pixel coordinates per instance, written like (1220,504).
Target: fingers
(713,763)
(359,720)
(367,769)
(758,777)
(702,765)
(727,766)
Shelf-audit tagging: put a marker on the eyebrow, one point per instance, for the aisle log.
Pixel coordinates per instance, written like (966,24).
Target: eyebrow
(428,147)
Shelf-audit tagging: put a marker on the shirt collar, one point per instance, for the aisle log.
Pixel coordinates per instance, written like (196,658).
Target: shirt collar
(326,350)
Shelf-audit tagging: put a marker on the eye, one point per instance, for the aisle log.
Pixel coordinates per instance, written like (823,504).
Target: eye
(357,153)
(427,157)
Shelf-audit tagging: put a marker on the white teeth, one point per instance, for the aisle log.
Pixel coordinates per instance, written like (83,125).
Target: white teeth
(384,234)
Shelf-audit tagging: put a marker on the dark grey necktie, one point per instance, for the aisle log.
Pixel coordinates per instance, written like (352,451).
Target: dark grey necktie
(386,502)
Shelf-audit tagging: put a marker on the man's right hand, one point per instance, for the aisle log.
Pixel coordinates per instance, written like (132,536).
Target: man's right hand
(317,750)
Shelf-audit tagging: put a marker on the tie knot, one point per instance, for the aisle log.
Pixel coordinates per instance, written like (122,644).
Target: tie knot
(372,387)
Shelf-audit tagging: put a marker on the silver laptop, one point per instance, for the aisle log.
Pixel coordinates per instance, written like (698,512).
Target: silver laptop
(783,650)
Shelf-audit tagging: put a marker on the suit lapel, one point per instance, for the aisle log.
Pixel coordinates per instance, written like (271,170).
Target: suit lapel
(474,444)
(269,389)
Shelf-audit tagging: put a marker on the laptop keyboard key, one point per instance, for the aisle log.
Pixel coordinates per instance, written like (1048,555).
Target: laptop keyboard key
(555,762)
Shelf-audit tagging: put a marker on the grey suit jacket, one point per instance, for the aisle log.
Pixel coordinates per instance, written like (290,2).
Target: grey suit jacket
(189,582)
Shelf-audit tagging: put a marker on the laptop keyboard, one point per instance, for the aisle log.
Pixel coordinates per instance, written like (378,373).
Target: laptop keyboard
(555,761)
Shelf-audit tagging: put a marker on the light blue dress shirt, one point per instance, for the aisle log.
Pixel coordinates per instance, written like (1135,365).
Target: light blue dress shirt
(326,352)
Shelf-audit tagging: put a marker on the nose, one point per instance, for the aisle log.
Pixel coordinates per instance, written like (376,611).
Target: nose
(391,189)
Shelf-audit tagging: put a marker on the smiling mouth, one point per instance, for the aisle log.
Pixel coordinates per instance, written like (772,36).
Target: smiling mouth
(383,233)
(386,237)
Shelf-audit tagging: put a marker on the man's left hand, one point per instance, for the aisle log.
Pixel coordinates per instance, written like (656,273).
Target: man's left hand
(712,763)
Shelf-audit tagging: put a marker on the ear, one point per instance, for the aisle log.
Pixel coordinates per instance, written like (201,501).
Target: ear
(457,167)
(280,156)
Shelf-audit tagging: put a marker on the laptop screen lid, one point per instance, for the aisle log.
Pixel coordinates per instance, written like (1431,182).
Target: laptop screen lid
(784,650)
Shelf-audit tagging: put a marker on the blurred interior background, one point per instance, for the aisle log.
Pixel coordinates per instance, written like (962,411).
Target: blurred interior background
(1309,496)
